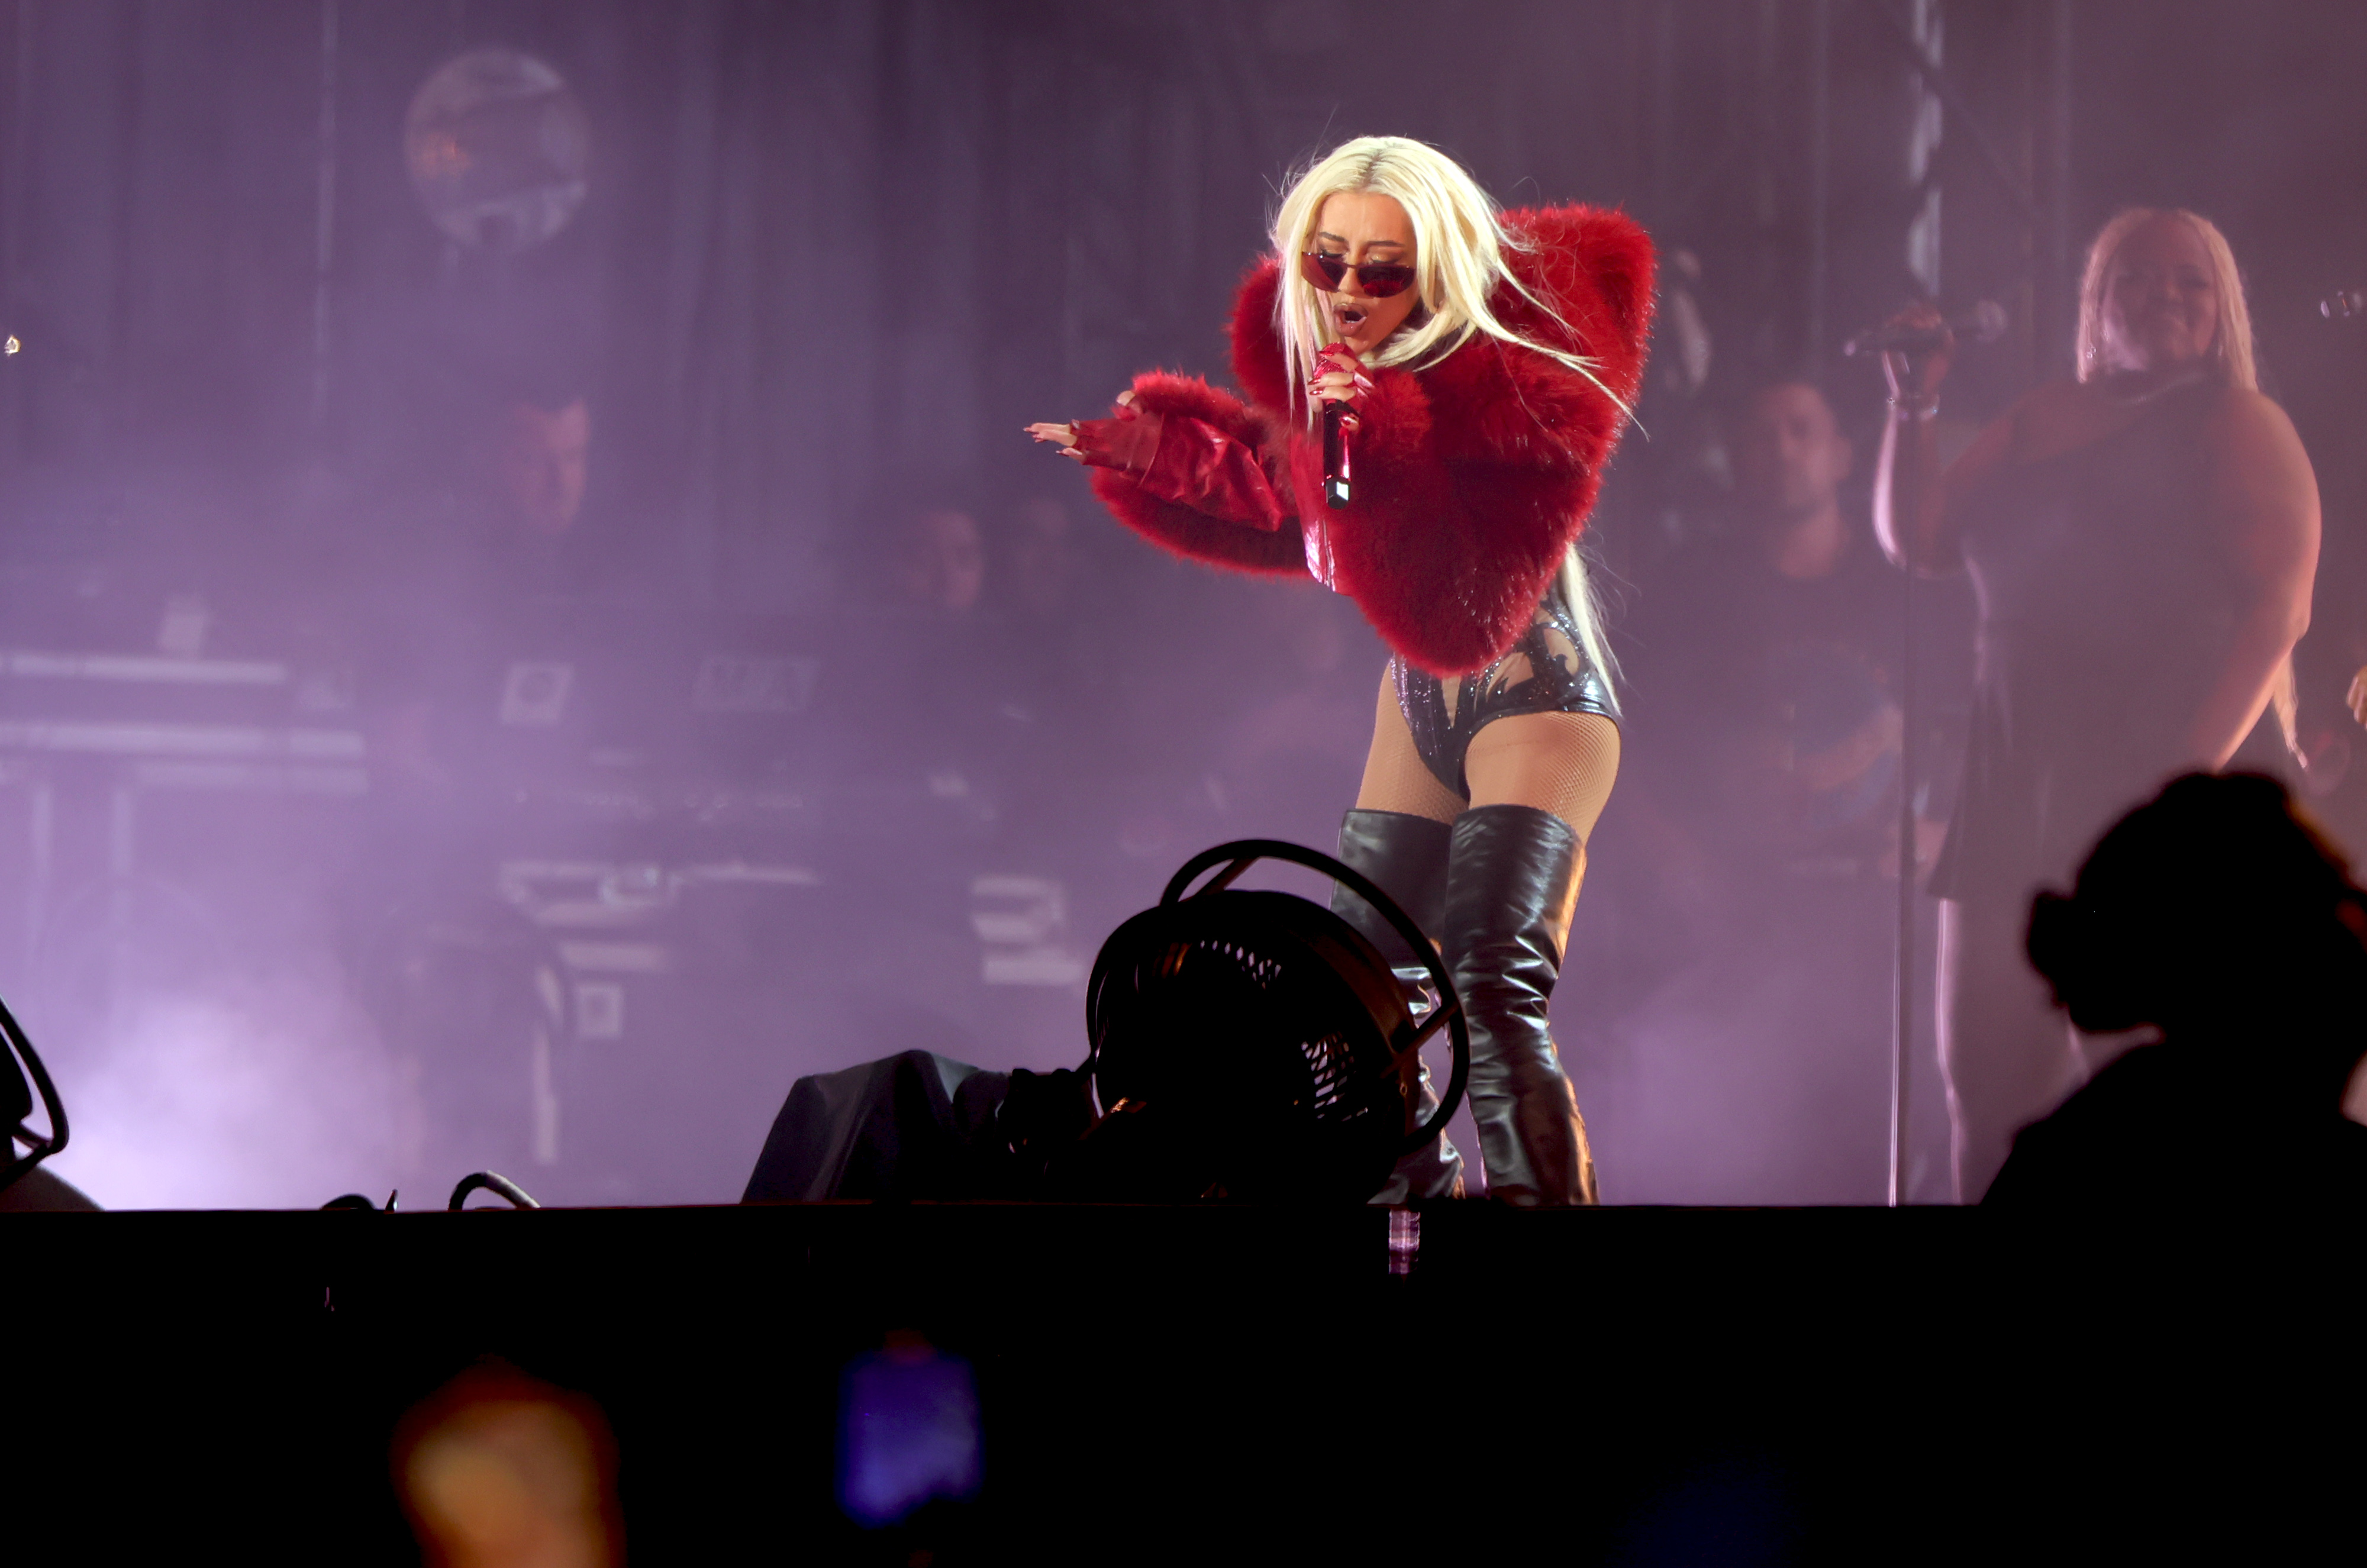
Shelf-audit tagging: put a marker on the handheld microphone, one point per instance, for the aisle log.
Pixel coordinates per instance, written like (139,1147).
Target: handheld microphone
(1985,322)
(1338,438)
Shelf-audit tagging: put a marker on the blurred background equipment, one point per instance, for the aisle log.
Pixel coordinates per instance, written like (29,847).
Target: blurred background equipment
(498,149)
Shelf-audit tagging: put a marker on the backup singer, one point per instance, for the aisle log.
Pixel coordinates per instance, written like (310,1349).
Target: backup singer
(1484,361)
(2142,540)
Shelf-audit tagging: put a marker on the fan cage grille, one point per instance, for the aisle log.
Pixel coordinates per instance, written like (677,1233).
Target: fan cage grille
(1329,1058)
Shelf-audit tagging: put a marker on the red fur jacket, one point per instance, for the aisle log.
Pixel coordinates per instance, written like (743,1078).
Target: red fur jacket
(1472,477)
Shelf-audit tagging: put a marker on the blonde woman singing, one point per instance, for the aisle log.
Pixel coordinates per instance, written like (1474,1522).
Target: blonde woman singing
(1484,361)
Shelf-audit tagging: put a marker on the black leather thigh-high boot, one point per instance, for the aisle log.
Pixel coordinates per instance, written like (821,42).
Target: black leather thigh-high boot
(1512,875)
(1406,857)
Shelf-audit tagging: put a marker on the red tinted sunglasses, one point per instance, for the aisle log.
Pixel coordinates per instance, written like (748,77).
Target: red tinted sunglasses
(1380,279)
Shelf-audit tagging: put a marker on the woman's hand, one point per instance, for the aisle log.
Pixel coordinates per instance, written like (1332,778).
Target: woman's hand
(1340,377)
(1910,498)
(1914,374)
(1064,434)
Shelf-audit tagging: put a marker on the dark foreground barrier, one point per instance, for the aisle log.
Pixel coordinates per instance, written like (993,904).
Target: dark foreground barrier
(1155,1384)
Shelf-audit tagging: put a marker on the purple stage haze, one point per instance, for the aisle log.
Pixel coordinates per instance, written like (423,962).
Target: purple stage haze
(527,622)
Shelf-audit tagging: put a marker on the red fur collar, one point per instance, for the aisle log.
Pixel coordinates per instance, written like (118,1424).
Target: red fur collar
(1474,474)
(1594,266)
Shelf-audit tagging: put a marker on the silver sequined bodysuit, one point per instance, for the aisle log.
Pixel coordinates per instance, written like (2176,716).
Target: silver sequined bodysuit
(1545,671)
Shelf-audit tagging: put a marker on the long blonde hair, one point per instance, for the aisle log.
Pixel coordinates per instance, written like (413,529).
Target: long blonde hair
(2231,347)
(2231,355)
(1459,247)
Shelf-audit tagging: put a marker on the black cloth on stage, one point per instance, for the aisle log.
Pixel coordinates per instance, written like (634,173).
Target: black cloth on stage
(918,1126)
(899,1127)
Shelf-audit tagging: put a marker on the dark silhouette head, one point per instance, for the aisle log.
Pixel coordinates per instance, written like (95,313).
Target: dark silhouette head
(2218,914)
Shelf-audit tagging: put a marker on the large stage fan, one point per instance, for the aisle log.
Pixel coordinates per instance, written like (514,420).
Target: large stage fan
(1253,1045)
(22,1073)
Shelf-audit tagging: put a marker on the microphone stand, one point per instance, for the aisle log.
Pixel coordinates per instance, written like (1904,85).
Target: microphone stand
(1986,323)
(1903,957)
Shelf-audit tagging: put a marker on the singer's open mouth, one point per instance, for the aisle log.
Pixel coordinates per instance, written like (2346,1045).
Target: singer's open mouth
(1350,318)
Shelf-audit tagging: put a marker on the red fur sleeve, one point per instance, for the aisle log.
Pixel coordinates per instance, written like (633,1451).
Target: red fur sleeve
(1180,527)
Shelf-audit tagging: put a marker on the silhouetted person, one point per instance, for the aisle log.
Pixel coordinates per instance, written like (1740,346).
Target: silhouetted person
(2215,915)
